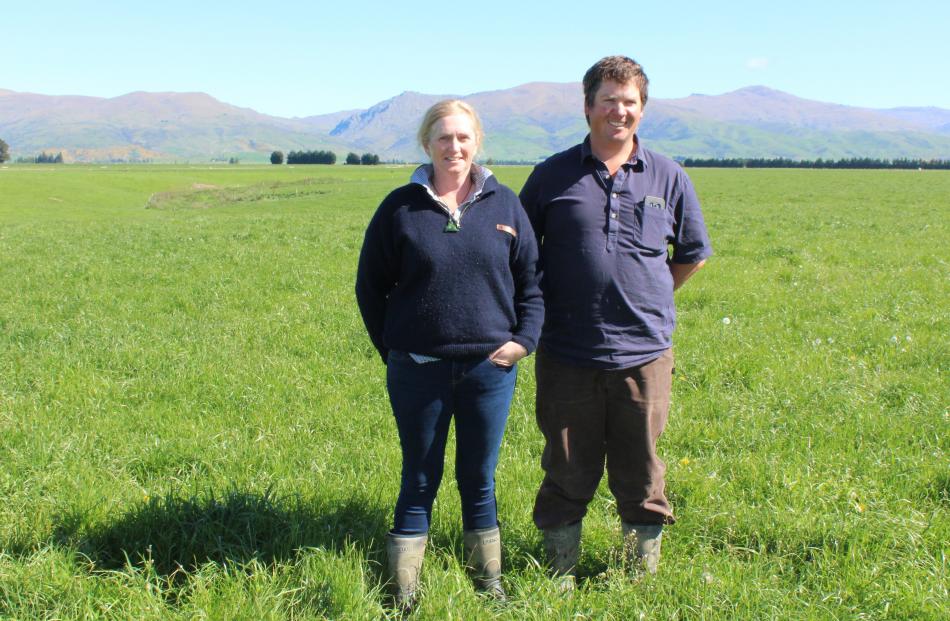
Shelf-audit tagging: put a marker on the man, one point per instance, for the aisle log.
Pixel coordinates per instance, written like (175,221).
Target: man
(606,213)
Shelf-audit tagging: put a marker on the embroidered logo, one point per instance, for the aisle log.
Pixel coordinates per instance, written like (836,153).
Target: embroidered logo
(507,229)
(655,202)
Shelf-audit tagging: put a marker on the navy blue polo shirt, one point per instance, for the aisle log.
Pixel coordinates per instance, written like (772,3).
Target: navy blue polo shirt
(605,245)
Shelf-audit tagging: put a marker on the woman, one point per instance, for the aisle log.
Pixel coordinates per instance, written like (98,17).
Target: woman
(448,289)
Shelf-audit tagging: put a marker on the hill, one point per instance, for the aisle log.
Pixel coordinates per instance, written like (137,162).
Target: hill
(162,126)
(526,123)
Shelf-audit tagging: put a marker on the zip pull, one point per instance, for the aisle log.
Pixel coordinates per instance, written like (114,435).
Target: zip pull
(455,220)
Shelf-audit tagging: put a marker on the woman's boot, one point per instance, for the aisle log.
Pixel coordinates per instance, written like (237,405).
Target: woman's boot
(404,553)
(483,560)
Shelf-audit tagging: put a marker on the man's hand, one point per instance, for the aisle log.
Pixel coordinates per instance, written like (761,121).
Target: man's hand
(508,354)
(682,271)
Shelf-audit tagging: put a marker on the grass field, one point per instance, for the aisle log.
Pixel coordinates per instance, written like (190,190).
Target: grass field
(193,424)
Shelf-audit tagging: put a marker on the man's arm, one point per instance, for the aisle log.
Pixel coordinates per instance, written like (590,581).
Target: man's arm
(682,271)
(530,196)
(691,245)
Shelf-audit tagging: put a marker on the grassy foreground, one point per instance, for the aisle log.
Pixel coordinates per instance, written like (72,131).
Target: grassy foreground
(193,424)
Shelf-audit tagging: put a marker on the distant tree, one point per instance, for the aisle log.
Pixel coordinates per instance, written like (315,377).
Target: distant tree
(4,152)
(233,160)
(277,157)
(352,158)
(369,159)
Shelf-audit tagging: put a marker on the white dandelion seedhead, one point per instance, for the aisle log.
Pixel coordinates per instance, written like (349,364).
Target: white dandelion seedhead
(726,321)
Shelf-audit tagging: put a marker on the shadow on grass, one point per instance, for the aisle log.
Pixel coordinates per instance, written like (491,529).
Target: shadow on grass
(176,534)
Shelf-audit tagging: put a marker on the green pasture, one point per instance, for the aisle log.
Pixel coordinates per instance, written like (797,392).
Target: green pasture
(193,424)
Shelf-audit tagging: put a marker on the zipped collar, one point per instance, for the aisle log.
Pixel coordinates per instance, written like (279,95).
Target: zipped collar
(423,176)
(480,178)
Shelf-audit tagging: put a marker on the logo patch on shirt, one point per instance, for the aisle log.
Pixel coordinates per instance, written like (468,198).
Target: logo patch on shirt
(507,229)
(655,202)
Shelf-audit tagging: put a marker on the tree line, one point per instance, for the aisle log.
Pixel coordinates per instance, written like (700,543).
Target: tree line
(311,157)
(371,159)
(322,157)
(42,158)
(845,163)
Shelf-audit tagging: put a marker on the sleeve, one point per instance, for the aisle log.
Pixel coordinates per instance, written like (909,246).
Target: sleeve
(529,305)
(376,276)
(690,240)
(530,197)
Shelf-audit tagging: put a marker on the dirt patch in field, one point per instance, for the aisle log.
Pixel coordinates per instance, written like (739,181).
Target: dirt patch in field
(205,195)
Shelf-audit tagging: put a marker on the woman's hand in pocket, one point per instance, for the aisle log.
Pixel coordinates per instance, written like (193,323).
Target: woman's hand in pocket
(508,354)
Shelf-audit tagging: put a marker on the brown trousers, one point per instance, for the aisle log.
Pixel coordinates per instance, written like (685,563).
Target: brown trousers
(592,416)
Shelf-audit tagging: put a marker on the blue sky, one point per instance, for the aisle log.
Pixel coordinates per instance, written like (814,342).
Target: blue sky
(291,58)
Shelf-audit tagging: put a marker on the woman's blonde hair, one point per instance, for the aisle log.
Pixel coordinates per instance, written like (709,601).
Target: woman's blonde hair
(444,108)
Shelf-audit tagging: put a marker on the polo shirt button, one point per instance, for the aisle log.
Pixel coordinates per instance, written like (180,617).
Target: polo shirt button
(613,214)
(615,195)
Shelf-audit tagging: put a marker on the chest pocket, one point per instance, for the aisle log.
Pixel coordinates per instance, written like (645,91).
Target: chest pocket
(654,224)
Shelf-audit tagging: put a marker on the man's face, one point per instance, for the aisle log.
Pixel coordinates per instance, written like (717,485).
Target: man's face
(615,113)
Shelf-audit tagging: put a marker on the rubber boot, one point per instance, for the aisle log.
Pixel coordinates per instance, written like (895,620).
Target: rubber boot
(404,554)
(483,560)
(641,543)
(562,547)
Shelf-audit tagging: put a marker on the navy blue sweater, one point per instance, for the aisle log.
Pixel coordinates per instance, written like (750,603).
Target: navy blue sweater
(450,295)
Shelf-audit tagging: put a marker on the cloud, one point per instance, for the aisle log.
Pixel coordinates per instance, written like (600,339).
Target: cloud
(757,63)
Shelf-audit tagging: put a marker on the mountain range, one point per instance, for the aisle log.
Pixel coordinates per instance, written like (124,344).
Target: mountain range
(524,123)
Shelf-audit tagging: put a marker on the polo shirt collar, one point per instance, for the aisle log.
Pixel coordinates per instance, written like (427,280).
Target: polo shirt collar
(635,157)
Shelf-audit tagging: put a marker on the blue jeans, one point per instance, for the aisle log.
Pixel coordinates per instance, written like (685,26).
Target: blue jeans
(424,398)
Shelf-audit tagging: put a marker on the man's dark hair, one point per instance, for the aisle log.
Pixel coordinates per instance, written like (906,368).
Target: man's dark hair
(620,69)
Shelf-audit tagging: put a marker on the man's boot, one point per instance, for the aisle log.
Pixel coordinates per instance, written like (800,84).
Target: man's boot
(562,547)
(641,544)
(483,560)
(404,553)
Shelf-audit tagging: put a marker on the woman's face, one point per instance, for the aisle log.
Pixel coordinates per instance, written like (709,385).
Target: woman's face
(452,145)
